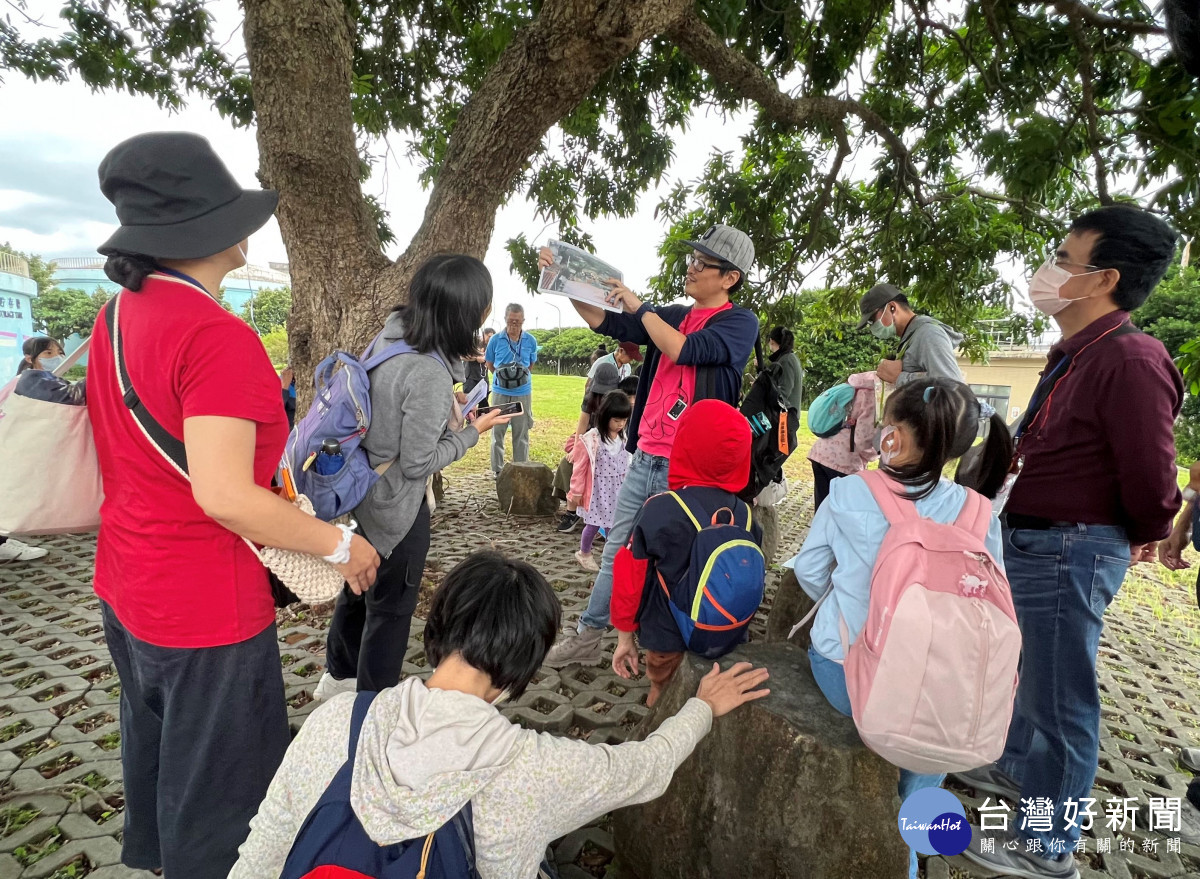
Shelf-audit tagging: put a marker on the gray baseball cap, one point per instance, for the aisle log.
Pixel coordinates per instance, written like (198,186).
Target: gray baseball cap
(876,298)
(727,243)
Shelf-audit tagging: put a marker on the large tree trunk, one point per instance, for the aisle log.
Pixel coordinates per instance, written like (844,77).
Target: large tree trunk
(301,60)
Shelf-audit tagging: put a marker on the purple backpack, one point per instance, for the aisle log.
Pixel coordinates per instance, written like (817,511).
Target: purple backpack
(341,410)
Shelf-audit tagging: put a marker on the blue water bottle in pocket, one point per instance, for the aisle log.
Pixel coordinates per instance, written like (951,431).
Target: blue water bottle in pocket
(330,459)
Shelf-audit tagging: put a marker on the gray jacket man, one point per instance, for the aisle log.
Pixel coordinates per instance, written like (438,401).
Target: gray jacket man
(926,344)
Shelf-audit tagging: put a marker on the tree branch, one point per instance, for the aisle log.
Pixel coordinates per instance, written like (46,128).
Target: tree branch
(548,68)
(822,202)
(700,43)
(1087,62)
(1079,10)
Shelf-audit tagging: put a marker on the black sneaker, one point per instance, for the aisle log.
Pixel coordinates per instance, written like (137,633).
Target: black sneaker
(567,523)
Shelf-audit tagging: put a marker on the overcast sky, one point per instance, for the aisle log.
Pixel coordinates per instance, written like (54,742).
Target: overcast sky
(50,202)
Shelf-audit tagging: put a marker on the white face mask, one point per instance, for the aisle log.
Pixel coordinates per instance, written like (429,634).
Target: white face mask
(1047,281)
(50,363)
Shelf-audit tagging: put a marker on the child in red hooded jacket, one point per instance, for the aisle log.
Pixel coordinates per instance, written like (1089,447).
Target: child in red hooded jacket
(710,462)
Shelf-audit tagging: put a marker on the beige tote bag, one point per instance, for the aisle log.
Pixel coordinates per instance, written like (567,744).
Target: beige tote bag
(50,479)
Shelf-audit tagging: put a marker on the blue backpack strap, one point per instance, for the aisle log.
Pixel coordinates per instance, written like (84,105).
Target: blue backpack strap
(362,704)
(398,347)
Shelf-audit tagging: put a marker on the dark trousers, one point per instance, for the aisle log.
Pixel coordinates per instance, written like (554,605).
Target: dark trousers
(202,732)
(368,635)
(822,476)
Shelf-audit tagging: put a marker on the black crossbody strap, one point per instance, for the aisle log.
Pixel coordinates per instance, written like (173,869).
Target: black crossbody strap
(169,447)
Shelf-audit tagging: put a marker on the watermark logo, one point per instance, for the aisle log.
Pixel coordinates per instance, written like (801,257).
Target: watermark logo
(933,822)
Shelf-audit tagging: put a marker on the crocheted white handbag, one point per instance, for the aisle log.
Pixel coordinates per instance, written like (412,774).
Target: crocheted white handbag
(310,577)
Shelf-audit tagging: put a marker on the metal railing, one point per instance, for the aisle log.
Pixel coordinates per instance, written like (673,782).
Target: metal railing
(257,273)
(79,262)
(1003,335)
(14,265)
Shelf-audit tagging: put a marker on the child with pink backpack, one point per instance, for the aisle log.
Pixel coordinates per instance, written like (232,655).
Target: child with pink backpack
(914,632)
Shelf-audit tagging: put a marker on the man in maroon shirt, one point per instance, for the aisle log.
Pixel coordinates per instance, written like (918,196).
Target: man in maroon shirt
(1096,490)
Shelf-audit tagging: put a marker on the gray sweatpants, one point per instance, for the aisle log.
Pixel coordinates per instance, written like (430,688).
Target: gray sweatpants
(520,430)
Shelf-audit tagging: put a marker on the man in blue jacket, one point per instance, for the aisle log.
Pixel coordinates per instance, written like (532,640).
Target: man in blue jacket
(693,352)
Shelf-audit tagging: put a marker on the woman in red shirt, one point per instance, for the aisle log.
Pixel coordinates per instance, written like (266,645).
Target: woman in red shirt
(189,428)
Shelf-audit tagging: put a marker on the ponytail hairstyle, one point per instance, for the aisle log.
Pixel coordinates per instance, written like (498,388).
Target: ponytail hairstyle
(613,407)
(784,338)
(33,348)
(129,269)
(944,416)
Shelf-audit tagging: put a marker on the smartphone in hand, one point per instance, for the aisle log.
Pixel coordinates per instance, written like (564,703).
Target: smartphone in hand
(504,409)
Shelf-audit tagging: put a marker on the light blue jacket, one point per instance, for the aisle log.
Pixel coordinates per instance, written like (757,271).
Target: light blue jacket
(841,547)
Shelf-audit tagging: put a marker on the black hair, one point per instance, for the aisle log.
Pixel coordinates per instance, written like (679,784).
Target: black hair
(724,267)
(447,299)
(784,338)
(902,298)
(129,269)
(499,614)
(944,417)
(615,405)
(628,385)
(591,407)
(33,348)
(1136,243)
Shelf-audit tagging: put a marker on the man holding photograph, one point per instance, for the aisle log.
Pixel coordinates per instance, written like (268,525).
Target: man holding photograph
(693,352)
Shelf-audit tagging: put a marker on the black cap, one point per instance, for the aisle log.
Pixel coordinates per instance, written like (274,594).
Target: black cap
(176,199)
(876,298)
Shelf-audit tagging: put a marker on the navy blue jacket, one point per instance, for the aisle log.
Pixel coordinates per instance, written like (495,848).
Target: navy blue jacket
(719,352)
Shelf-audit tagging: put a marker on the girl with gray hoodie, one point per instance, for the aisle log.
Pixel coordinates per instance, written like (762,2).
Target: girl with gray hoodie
(427,748)
(411,437)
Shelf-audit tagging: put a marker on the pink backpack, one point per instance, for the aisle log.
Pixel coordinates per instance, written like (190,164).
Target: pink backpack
(933,674)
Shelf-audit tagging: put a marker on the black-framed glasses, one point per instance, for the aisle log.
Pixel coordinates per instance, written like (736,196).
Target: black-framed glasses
(695,262)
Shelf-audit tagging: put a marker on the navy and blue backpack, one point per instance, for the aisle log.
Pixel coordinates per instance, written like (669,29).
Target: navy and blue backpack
(715,600)
(332,843)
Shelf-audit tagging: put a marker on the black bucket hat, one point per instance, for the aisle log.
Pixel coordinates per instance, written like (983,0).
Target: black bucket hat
(175,198)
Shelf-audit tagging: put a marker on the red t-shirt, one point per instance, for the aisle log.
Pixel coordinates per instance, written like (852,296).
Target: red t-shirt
(672,382)
(173,576)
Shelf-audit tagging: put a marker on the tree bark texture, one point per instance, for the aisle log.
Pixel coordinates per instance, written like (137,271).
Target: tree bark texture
(301,63)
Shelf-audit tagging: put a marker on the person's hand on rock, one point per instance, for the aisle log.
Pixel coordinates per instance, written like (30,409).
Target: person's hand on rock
(726,690)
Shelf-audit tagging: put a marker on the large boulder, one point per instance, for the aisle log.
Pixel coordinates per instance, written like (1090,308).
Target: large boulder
(790,605)
(526,489)
(782,787)
(768,518)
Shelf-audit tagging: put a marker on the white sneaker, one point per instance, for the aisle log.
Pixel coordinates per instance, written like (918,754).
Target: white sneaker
(16,551)
(586,561)
(329,686)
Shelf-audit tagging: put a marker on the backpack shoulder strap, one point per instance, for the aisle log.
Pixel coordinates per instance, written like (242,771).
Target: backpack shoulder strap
(975,515)
(687,510)
(749,517)
(881,487)
(398,347)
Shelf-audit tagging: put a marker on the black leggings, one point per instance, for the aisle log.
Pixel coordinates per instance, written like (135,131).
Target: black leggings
(368,635)
(822,476)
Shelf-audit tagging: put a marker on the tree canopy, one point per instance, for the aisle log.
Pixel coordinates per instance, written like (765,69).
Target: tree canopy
(922,142)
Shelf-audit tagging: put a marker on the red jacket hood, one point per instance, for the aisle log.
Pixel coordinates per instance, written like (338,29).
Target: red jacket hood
(712,447)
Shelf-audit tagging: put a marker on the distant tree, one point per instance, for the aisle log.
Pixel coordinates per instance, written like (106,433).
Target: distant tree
(573,343)
(268,309)
(1172,315)
(41,271)
(59,312)
(276,343)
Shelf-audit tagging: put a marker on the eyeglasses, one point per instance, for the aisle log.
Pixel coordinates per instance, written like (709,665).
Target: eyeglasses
(1052,256)
(695,262)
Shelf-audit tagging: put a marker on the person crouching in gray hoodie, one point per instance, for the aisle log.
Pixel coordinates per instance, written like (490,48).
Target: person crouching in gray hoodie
(427,748)
(926,344)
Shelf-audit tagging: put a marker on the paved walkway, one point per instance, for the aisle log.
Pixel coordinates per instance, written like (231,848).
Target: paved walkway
(60,774)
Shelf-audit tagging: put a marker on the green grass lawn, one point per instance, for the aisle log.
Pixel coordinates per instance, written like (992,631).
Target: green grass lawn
(556,401)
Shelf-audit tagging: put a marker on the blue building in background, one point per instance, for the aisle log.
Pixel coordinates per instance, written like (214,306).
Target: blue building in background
(17,292)
(87,273)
